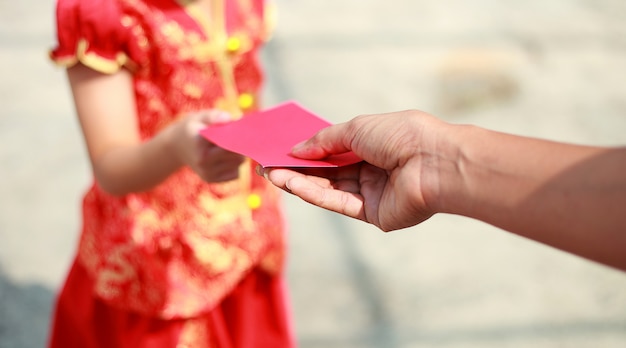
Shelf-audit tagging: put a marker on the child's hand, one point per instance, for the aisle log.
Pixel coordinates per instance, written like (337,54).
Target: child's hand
(211,162)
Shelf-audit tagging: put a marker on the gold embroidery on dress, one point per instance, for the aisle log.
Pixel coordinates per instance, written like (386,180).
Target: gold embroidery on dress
(173,32)
(192,91)
(195,334)
(215,256)
(118,271)
(156,105)
(94,61)
(127,21)
(271,262)
(226,211)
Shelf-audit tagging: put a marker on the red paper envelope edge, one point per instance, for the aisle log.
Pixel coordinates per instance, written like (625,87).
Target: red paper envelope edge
(267,137)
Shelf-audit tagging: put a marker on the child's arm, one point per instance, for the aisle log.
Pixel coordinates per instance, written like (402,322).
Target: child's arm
(121,162)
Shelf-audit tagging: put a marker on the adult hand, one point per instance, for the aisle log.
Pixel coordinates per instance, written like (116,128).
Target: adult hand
(392,189)
(211,162)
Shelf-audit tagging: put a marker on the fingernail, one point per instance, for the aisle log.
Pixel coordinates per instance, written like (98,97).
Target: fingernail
(288,185)
(259,170)
(262,171)
(299,146)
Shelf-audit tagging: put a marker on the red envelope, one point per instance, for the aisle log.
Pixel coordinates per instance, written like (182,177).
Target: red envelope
(268,136)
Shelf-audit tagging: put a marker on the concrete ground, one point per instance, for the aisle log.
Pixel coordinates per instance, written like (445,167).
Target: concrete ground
(552,69)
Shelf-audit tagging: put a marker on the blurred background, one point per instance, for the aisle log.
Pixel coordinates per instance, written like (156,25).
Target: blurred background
(552,69)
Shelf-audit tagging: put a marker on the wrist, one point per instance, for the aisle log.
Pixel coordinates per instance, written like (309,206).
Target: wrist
(172,146)
(444,173)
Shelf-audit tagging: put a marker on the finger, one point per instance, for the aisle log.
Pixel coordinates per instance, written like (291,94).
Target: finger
(352,186)
(373,184)
(279,176)
(195,122)
(226,175)
(219,172)
(341,197)
(333,173)
(329,141)
(230,157)
(350,172)
(214,116)
(215,154)
(342,202)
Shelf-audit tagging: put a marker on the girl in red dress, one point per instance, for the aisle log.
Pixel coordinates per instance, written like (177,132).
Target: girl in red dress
(181,245)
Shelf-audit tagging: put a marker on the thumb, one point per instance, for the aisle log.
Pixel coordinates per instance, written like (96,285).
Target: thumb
(214,116)
(328,141)
(309,149)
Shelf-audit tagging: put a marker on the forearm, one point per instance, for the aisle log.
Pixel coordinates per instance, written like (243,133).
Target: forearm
(570,197)
(106,108)
(138,167)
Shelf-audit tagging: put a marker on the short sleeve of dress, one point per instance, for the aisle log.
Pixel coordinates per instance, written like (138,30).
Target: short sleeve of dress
(90,32)
(269,18)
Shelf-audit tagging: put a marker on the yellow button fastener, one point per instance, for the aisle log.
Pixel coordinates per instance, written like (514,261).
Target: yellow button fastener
(233,44)
(254,201)
(245,100)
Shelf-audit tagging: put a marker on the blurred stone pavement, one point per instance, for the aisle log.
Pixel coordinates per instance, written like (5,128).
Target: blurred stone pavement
(551,69)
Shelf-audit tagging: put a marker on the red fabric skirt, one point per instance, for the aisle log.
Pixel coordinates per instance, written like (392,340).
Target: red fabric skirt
(253,315)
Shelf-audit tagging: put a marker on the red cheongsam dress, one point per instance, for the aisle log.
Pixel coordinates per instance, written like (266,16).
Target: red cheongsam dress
(186,264)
